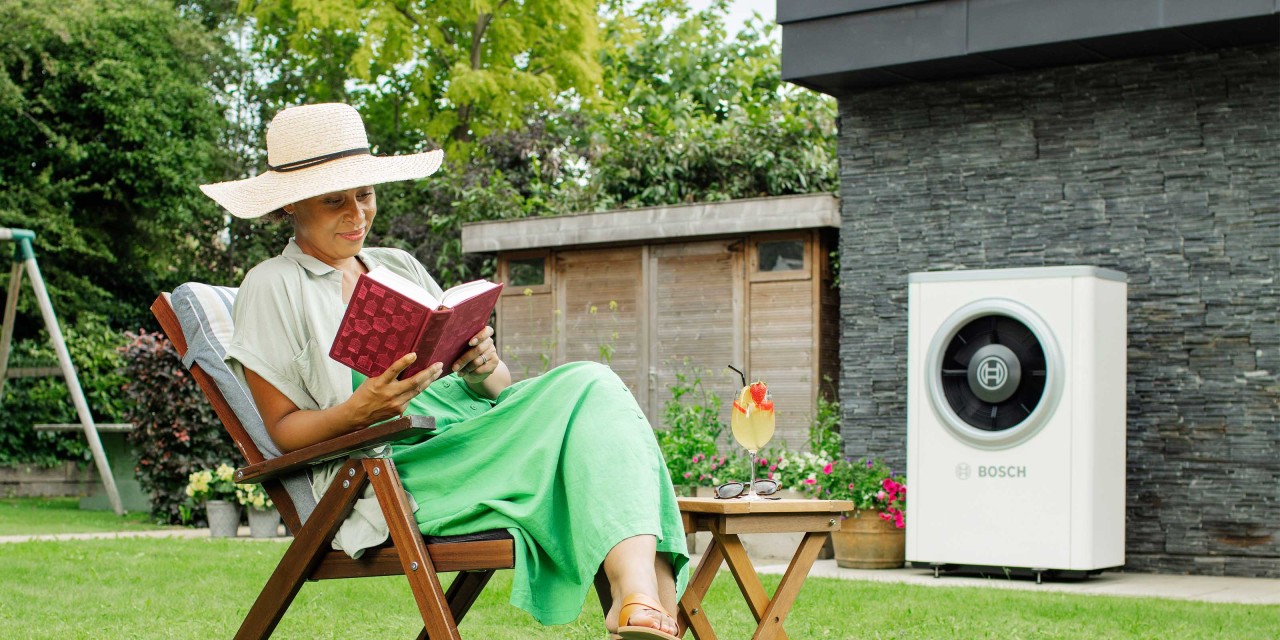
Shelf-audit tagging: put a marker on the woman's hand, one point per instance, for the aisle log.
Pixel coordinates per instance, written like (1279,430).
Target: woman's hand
(481,360)
(384,397)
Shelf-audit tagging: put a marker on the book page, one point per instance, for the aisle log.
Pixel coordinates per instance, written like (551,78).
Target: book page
(465,291)
(403,285)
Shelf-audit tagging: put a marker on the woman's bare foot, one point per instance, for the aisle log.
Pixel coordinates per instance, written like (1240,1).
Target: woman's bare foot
(637,575)
(639,610)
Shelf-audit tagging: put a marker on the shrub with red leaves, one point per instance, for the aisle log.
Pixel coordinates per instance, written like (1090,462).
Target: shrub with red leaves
(175,428)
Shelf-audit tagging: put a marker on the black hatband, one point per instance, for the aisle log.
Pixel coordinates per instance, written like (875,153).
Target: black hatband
(311,162)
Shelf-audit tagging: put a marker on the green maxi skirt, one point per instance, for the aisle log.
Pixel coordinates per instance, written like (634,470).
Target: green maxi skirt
(565,461)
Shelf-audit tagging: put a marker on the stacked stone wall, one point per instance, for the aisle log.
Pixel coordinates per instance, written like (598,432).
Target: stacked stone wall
(1165,168)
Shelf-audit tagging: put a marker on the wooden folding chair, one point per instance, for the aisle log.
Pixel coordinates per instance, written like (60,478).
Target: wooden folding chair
(310,556)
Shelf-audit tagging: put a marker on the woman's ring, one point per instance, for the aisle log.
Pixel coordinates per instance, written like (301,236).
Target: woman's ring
(484,358)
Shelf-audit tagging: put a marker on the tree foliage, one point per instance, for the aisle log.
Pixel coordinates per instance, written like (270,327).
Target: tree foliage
(109,126)
(694,114)
(449,71)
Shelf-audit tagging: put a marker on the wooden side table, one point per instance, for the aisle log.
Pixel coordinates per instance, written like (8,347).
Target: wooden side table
(726,519)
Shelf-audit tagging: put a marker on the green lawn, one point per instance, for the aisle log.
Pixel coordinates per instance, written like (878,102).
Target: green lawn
(182,588)
(31,516)
(185,588)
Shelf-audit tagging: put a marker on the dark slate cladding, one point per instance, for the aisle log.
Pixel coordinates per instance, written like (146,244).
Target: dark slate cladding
(1165,168)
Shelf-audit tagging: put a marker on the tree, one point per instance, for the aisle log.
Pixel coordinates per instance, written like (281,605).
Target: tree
(442,71)
(692,114)
(109,126)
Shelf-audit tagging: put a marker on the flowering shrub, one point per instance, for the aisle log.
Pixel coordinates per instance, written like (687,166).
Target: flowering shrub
(692,421)
(870,484)
(205,485)
(717,469)
(793,468)
(253,496)
(706,468)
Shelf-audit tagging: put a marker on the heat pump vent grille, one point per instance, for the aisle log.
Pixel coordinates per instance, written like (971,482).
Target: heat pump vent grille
(993,373)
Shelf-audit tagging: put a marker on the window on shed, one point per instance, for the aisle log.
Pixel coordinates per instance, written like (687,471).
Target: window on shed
(527,272)
(784,255)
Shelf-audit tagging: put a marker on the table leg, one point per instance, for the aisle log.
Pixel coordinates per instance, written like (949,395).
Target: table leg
(748,581)
(785,595)
(691,615)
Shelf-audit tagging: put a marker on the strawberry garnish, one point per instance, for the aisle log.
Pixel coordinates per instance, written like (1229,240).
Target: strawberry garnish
(738,407)
(757,392)
(767,405)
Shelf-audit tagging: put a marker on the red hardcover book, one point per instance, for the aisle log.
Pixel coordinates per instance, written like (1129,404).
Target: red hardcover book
(389,316)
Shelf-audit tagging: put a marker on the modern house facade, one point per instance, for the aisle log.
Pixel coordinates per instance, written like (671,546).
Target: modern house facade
(1136,135)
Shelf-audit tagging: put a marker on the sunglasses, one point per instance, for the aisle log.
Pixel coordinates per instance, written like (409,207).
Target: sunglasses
(734,489)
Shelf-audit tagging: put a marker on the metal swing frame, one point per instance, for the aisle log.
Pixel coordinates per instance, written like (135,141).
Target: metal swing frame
(24,257)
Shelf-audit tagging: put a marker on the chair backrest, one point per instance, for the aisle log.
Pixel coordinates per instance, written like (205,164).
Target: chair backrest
(202,314)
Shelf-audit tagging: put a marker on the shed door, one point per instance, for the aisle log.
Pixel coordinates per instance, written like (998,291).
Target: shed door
(599,293)
(695,319)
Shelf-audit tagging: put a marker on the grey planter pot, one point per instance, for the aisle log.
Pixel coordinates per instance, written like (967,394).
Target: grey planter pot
(224,518)
(264,523)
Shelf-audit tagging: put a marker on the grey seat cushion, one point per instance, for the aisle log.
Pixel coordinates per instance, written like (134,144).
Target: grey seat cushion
(204,311)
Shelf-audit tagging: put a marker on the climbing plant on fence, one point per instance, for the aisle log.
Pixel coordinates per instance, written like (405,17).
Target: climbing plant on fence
(30,401)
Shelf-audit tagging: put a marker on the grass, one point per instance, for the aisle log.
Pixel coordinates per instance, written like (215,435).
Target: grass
(31,516)
(183,588)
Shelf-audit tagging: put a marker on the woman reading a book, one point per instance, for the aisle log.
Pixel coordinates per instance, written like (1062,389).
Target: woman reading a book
(565,461)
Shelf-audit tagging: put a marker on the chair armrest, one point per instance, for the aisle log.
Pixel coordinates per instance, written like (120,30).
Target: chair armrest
(390,431)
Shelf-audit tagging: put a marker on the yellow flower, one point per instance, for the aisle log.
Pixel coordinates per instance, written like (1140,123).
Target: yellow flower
(613,305)
(528,291)
(593,309)
(225,472)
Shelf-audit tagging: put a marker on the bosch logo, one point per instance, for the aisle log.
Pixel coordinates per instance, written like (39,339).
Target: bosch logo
(963,471)
(992,373)
(1001,471)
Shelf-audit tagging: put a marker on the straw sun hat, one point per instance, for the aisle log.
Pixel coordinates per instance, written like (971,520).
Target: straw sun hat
(313,150)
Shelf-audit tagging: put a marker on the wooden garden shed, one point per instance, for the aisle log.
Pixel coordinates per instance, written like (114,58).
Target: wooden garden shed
(689,288)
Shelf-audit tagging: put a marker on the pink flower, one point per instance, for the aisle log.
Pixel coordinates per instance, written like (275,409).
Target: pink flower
(810,481)
(851,486)
(885,515)
(773,467)
(827,469)
(764,462)
(696,458)
(688,474)
(899,520)
(880,495)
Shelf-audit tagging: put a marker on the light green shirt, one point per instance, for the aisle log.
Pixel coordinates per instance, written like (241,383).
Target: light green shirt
(286,317)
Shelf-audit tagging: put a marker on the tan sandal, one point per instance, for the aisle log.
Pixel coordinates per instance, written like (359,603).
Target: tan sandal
(632,632)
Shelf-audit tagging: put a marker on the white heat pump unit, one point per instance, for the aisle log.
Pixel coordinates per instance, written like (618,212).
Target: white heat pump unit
(1016,419)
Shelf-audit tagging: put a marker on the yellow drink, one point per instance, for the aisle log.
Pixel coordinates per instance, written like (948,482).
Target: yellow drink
(752,422)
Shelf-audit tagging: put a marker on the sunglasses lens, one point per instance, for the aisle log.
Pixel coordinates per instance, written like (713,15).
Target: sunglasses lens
(766,487)
(729,490)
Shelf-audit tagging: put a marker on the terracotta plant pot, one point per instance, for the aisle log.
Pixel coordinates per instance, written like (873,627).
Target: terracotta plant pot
(224,518)
(865,541)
